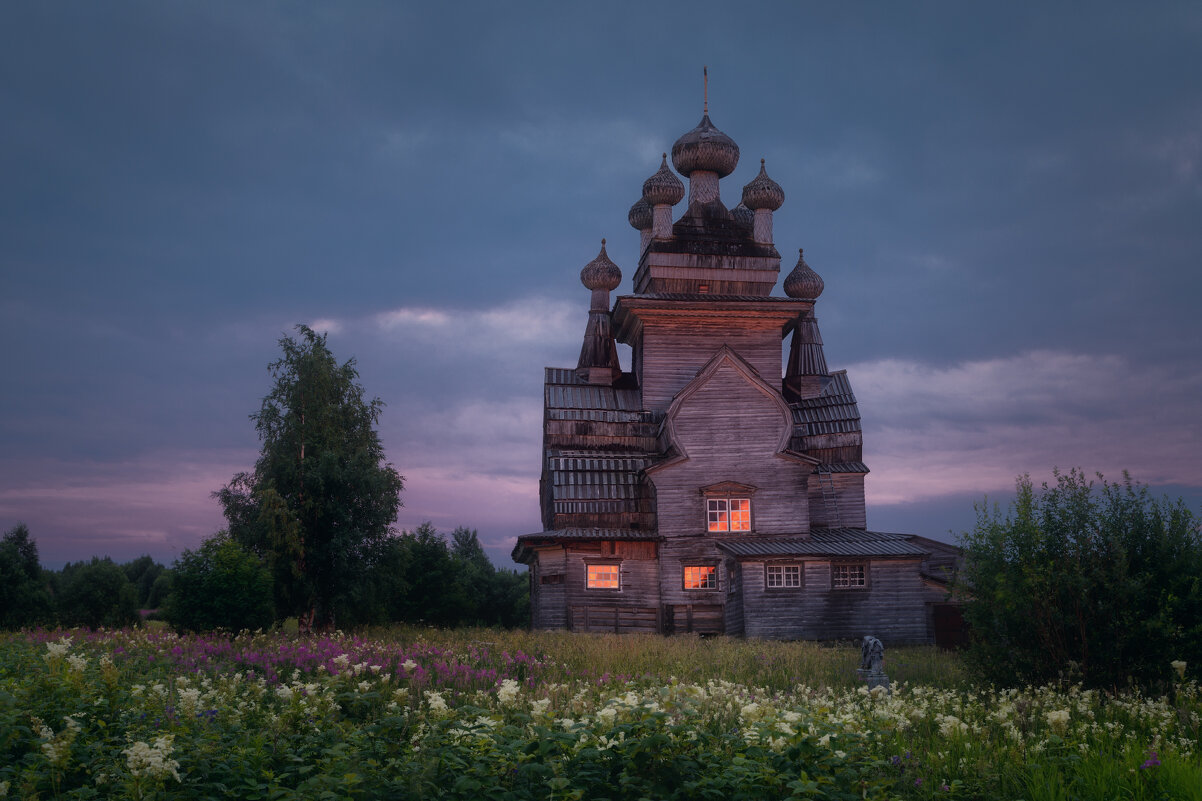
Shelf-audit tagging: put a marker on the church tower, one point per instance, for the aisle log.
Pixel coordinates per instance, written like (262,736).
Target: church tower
(707,490)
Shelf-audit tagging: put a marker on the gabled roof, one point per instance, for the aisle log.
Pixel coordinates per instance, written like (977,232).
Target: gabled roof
(830,542)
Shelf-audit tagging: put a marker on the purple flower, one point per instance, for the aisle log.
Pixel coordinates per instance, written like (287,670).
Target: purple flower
(1153,761)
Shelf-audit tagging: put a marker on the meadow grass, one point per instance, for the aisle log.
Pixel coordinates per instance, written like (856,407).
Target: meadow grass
(756,663)
(483,714)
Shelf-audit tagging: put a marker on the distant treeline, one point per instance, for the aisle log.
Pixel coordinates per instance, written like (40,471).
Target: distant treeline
(416,577)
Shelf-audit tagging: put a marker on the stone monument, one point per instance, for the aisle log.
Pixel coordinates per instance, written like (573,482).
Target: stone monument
(872,663)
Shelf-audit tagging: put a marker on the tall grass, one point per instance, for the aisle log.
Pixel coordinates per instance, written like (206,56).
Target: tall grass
(757,663)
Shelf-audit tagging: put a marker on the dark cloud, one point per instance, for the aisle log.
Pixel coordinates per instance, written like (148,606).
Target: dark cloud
(184,182)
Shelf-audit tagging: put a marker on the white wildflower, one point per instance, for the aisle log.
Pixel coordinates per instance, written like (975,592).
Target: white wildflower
(408,665)
(152,761)
(508,691)
(1058,720)
(436,701)
(1179,666)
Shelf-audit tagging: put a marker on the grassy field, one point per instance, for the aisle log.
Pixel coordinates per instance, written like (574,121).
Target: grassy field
(419,713)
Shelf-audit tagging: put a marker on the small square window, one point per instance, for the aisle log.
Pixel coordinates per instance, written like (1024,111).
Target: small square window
(782,576)
(728,514)
(848,577)
(603,577)
(700,577)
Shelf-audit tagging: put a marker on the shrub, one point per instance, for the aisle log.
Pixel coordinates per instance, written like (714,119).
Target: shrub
(1096,583)
(221,585)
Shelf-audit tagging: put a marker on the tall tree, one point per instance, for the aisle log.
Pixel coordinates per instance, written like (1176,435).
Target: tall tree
(24,600)
(321,500)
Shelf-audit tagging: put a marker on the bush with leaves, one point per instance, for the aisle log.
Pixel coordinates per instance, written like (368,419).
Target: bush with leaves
(220,585)
(95,594)
(1097,583)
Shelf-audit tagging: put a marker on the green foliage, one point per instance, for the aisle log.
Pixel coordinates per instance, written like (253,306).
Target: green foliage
(24,599)
(96,594)
(143,572)
(320,502)
(221,585)
(421,578)
(1094,583)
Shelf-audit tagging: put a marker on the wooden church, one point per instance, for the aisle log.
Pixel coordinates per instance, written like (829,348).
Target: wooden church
(702,491)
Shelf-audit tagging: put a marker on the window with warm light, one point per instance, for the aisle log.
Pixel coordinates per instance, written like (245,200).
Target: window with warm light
(782,577)
(603,577)
(728,514)
(700,577)
(849,577)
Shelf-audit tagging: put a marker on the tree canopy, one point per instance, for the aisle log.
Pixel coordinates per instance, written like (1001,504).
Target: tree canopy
(319,505)
(1098,583)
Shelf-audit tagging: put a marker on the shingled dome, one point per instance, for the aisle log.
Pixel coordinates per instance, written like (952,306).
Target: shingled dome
(663,188)
(705,148)
(601,273)
(763,192)
(640,215)
(803,282)
(743,215)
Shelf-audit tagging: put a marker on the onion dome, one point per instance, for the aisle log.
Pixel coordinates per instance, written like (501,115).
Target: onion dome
(743,215)
(663,188)
(763,192)
(640,215)
(705,148)
(601,273)
(803,282)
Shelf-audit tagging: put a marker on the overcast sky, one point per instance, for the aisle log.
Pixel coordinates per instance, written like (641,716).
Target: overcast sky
(1004,200)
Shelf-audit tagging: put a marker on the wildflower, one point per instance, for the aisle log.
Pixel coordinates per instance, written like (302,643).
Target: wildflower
(539,707)
(436,701)
(408,665)
(364,686)
(77,662)
(607,715)
(1179,666)
(57,650)
(1153,761)
(508,691)
(152,761)
(1058,720)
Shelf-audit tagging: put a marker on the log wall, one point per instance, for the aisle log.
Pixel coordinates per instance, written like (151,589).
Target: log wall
(893,607)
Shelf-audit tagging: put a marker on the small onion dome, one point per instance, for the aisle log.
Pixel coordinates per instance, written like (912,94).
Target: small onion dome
(601,273)
(763,192)
(743,215)
(705,148)
(663,188)
(803,282)
(640,215)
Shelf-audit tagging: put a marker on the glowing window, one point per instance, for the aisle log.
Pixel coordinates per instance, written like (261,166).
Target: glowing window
(782,576)
(848,577)
(603,577)
(728,514)
(700,577)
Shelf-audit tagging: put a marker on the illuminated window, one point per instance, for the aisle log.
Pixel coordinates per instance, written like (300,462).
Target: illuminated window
(728,514)
(603,577)
(700,577)
(782,576)
(848,577)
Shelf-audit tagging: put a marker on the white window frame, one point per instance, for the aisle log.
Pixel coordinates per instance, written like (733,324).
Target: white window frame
(849,576)
(597,576)
(710,583)
(787,576)
(720,515)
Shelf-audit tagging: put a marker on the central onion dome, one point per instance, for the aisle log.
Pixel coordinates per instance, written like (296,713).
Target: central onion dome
(601,273)
(705,148)
(763,192)
(803,282)
(663,188)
